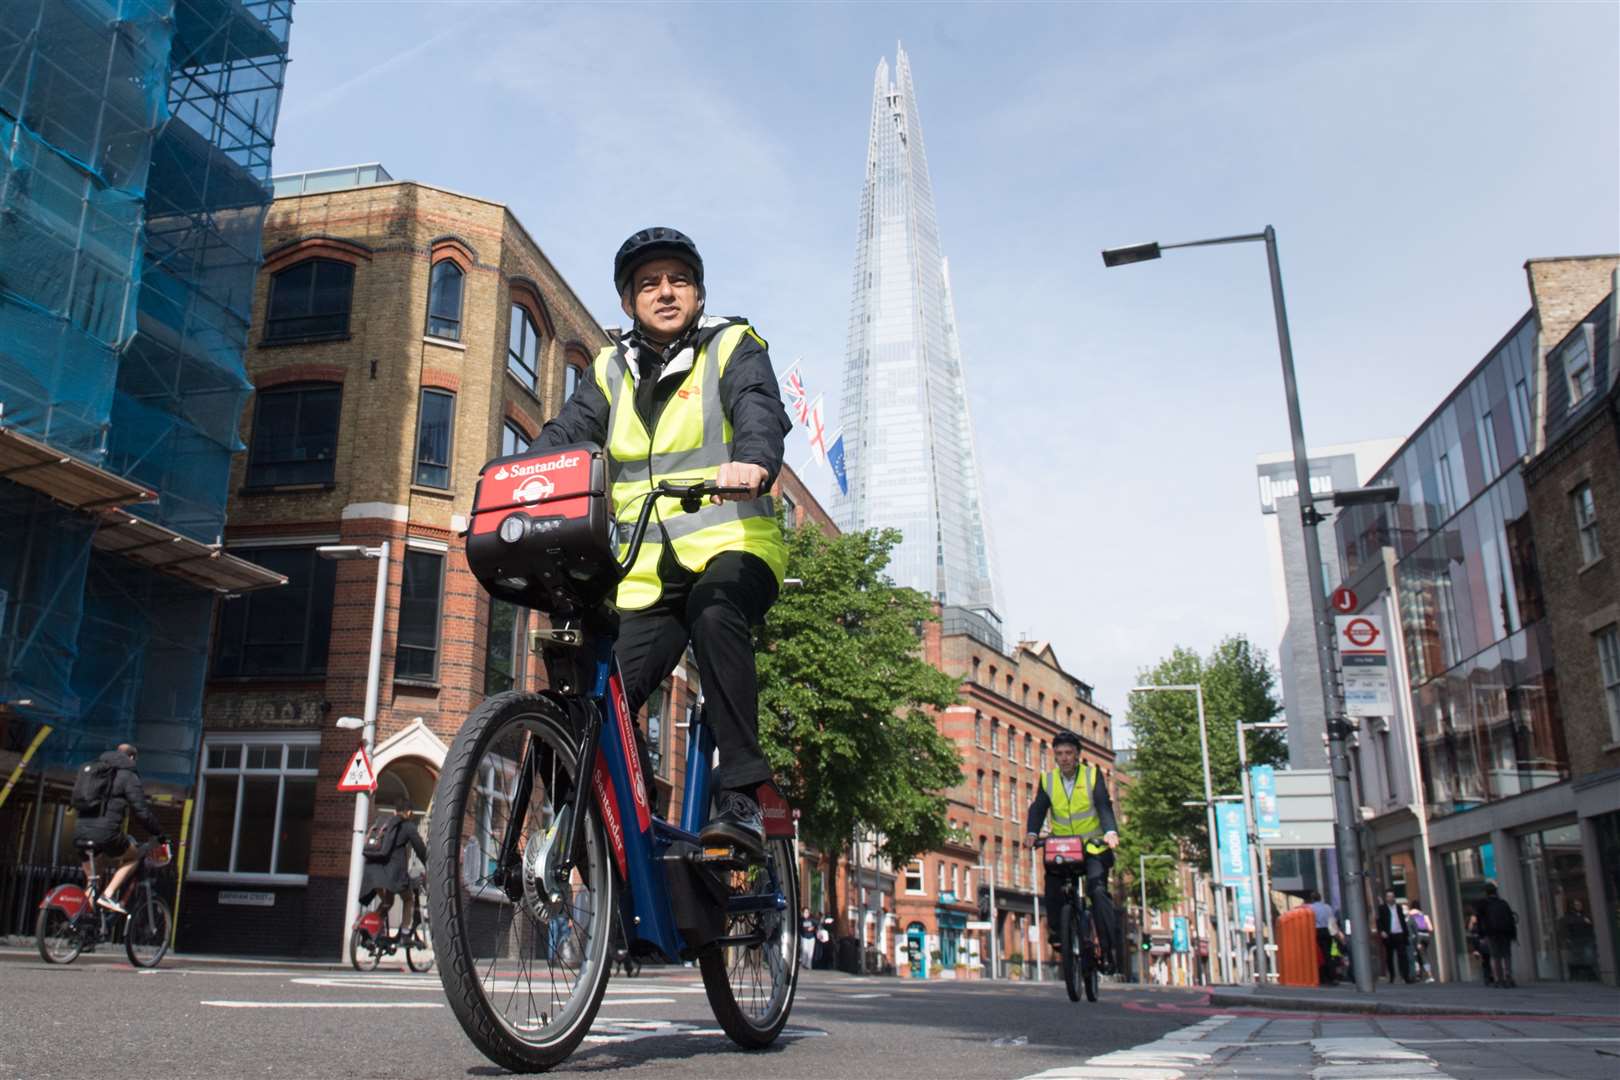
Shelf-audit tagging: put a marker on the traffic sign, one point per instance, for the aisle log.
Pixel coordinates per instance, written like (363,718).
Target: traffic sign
(1364,665)
(1344,600)
(358,776)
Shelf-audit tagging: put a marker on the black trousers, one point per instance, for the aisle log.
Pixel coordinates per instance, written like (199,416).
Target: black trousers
(716,611)
(1102,905)
(1395,952)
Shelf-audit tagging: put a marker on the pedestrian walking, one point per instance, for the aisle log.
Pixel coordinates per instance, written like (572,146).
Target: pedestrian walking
(807,939)
(1500,927)
(1395,933)
(1325,964)
(1422,930)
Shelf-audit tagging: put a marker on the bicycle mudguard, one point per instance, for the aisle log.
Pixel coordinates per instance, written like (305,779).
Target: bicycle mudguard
(370,923)
(70,900)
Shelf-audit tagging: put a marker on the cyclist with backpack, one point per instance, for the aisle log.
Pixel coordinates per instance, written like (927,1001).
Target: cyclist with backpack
(104,791)
(1077,797)
(389,841)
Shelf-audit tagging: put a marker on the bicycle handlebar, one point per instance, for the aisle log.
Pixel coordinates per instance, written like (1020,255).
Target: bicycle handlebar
(690,495)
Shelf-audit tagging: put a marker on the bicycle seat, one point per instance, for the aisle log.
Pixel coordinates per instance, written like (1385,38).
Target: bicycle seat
(95,846)
(542,533)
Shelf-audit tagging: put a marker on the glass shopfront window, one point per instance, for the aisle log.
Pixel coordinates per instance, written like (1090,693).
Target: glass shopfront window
(1607,827)
(1467,871)
(1557,924)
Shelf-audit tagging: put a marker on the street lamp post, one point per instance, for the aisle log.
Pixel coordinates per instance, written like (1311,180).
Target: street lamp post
(1035,901)
(368,736)
(1346,818)
(1258,871)
(1209,801)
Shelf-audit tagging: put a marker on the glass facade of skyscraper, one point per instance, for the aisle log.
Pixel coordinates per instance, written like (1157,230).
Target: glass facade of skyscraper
(1478,651)
(908,435)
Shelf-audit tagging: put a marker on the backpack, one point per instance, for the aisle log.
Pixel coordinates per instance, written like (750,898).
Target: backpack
(379,842)
(93,787)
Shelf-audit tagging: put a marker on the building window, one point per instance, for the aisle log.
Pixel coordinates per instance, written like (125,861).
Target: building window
(1608,645)
(416,654)
(295,432)
(1578,369)
(1026,696)
(978,729)
(995,794)
(310,299)
(523,348)
(444,300)
(657,704)
(978,794)
(1029,750)
(975,669)
(1586,521)
(790,509)
(914,877)
(1012,743)
(1487,446)
(280,631)
(939,876)
(256,806)
(572,373)
(503,648)
(1043,756)
(1519,408)
(995,736)
(1012,799)
(513,440)
(434,424)
(956,878)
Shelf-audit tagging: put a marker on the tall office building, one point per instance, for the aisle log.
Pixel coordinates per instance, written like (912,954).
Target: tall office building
(908,435)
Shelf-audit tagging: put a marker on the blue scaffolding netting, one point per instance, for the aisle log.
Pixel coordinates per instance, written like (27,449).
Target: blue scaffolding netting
(135,151)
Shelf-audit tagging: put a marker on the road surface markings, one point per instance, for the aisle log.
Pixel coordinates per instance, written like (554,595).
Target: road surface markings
(608,1029)
(324,1004)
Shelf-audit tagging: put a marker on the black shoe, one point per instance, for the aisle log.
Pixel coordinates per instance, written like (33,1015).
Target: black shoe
(737,822)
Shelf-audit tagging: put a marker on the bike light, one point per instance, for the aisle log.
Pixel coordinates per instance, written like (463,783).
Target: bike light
(514,528)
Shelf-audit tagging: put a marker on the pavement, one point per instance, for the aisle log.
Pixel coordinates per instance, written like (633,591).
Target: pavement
(1538,999)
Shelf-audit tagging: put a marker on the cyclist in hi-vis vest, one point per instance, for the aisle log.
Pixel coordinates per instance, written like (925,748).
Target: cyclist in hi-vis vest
(687,396)
(1080,806)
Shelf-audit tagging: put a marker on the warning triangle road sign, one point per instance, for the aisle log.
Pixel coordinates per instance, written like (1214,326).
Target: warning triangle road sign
(358,776)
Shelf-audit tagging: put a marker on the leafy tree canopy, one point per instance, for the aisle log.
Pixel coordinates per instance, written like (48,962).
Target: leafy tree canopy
(842,693)
(1168,768)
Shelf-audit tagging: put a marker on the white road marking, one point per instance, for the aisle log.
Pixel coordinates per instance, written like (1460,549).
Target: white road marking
(606,1029)
(324,1004)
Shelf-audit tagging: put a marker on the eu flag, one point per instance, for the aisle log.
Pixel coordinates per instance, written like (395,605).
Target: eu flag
(835,456)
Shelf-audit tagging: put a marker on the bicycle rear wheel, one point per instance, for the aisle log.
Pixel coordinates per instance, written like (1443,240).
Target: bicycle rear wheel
(524,973)
(751,986)
(1090,974)
(57,936)
(146,931)
(419,948)
(1073,976)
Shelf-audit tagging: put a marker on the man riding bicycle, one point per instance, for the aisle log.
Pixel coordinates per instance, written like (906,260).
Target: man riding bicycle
(101,831)
(1080,806)
(686,396)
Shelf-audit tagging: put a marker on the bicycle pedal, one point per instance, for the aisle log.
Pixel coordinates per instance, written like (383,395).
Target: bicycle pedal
(719,853)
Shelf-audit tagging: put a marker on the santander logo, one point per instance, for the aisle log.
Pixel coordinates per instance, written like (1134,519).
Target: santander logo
(534,489)
(535,468)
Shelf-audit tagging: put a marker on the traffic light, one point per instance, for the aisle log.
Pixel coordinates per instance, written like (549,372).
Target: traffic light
(1147,942)
(984,901)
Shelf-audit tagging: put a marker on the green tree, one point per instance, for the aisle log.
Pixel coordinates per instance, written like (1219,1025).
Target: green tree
(843,690)
(1238,682)
(1163,880)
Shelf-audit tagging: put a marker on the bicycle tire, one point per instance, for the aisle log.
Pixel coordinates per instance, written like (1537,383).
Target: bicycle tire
(57,936)
(1071,952)
(420,958)
(754,1024)
(362,953)
(147,928)
(1089,973)
(467,925)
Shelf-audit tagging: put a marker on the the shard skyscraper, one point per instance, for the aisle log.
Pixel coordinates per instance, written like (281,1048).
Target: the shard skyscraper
(908,436)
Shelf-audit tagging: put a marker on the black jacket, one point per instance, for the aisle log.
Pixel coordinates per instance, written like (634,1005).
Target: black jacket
(394,873)
(748,392)
(1100,801)
(127,796)
(1496,918)
(1382,919)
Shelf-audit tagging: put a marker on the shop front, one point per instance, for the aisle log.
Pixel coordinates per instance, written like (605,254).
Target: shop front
(1557,923)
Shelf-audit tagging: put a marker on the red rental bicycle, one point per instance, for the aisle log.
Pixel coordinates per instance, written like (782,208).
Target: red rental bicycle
(70,921)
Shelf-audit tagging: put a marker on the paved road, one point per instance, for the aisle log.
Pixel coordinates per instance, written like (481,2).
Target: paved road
(101,1018)
(252,1021)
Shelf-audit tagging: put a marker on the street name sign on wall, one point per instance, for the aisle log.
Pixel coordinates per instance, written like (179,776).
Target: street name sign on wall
(1263,786)
(1234,843)
(1364,665)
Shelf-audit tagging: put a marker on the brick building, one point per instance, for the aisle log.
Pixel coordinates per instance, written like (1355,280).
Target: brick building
(1573,485)
(1012,703)
(402,335)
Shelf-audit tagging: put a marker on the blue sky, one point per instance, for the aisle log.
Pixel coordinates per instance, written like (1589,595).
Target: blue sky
(1411,157)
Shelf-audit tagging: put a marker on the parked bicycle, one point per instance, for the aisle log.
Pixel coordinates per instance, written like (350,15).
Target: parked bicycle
(71,920)
(544,838)
(370,939)
(1077,931)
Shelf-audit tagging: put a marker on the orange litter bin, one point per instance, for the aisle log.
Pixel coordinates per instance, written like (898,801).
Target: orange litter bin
(1296,948)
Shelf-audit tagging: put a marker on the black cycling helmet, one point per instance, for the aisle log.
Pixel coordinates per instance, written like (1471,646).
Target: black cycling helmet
(1065,738)
(655,243)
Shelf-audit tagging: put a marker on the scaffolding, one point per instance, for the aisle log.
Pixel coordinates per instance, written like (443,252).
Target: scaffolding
(135,156)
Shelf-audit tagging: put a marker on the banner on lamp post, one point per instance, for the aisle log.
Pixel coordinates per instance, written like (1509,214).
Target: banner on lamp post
(1234,843)
(1263,785)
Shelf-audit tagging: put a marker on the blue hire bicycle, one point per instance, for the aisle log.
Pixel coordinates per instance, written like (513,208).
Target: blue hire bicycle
(546,862)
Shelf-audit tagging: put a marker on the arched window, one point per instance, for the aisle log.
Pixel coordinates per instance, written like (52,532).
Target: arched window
(309,299)
(573,372)
(444,300)
(523,348)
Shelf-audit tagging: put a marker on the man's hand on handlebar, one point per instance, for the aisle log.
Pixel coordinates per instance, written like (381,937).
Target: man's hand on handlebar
(740,475)
(1111,838)
(1029,839)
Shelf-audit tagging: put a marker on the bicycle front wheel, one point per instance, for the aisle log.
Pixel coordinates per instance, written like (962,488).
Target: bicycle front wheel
(147,930)
(751,984)
(526,957)
(57,936)
(1073,975)
(1090,972)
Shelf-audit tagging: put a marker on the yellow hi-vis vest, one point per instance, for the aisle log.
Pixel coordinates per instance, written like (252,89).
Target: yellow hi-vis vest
(691,440)
(1073,815)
